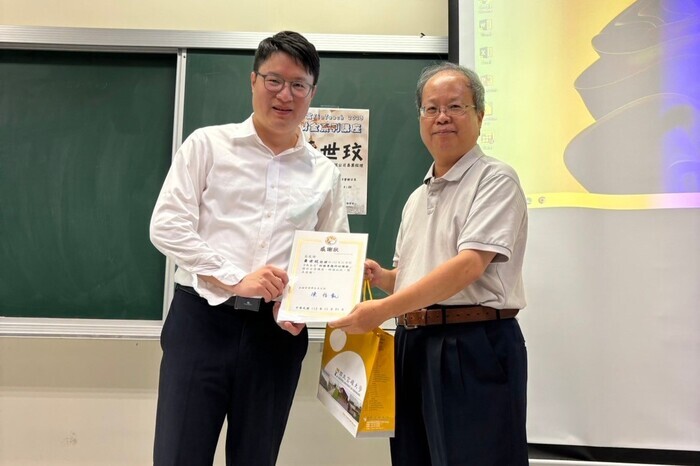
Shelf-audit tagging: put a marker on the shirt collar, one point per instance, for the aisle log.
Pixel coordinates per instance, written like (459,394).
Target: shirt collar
(247,130)
(459,168)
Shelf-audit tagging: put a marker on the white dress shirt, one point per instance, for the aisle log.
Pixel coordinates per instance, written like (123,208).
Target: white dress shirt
(229,206)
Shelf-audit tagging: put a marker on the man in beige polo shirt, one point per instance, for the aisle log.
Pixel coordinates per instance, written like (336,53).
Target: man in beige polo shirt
(456,286)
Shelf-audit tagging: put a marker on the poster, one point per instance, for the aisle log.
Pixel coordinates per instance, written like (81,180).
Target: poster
(342,135)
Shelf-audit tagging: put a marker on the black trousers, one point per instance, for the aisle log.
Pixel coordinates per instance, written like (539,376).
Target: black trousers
(223,363)
(461,395)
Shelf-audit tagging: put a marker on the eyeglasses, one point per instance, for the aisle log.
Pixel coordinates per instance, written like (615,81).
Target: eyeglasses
(450,110)
(274,83)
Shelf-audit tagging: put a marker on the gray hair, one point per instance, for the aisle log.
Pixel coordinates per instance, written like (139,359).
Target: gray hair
(474,82)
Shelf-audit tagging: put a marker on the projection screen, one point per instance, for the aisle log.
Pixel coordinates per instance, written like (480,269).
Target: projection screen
(596,104)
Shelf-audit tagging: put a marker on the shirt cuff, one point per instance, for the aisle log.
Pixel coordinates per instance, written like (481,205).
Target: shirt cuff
(212,293)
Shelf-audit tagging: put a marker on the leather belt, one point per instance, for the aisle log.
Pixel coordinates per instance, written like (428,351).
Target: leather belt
(441,315)
(239,303)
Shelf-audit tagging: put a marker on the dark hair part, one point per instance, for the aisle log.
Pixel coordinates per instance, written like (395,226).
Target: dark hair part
(474,82)
(293,44)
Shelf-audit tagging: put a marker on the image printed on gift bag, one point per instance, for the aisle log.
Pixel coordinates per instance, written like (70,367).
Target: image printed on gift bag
(356,383)
(344,377)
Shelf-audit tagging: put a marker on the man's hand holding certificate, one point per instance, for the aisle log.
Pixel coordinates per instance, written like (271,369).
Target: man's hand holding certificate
(326,272)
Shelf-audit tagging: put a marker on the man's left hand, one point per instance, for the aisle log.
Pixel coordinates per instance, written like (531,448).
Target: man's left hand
(293,328)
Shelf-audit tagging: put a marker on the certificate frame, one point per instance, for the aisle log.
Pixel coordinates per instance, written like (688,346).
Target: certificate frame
(326,272)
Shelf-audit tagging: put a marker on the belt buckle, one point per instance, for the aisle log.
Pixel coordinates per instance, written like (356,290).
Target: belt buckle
(402,320)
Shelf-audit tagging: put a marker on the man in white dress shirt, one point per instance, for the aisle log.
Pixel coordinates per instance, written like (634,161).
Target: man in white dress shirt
(226,215)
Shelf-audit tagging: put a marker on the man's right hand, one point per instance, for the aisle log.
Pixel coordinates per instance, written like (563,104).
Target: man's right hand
(267,282)
(380,277)
(372,271)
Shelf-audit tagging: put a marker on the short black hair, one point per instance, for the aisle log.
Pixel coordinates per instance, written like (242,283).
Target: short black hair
(293,44)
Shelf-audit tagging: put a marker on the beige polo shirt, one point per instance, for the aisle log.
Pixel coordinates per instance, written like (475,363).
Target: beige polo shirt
(478,204)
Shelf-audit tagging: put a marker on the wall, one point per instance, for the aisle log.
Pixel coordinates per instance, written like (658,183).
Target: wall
(393,17)
(92,402)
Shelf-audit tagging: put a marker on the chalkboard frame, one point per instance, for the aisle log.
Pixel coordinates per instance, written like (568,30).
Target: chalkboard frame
(177,42)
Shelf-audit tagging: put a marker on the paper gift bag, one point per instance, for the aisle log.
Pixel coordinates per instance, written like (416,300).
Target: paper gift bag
(357,381)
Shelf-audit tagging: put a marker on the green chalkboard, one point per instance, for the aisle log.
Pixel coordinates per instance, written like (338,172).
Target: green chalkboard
(85,143)
(218,91)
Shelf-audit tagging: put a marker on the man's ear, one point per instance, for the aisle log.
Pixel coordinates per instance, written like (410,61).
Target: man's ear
(253,77)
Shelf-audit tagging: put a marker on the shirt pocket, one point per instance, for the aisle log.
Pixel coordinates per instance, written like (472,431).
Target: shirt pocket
(302,207)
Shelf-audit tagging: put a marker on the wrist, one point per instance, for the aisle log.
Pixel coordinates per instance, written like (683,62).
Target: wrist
(397,304)
(385,308)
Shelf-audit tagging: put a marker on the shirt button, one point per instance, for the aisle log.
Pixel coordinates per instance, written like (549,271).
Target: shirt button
(262,245)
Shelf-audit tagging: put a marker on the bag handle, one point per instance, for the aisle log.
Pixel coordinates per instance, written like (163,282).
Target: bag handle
(366,291)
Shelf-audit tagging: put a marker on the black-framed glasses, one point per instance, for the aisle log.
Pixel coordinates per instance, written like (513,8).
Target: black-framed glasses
(449,110)
(274,83)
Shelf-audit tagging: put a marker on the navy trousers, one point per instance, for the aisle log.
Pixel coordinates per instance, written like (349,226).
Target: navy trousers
(223,363)
(461,395)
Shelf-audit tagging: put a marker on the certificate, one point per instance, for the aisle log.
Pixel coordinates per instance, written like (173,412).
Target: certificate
(326,272)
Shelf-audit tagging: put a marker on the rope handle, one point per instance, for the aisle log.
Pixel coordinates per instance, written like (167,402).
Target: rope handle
(367,291)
